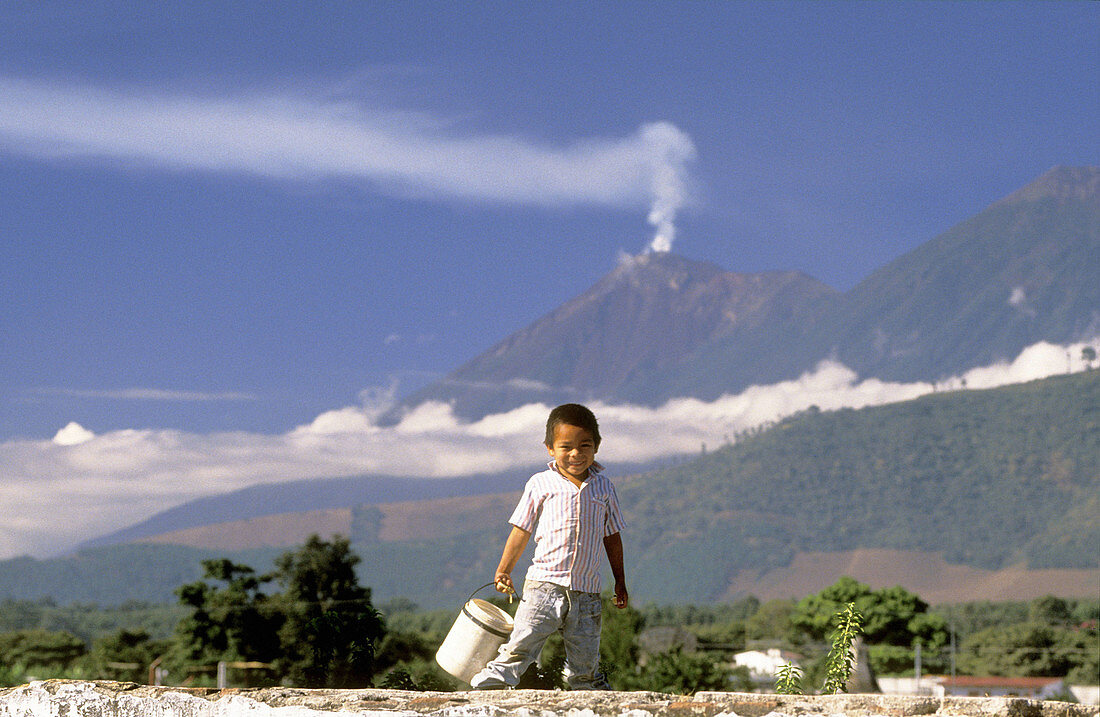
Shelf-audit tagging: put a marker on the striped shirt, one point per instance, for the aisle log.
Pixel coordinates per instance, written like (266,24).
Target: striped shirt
(571,525)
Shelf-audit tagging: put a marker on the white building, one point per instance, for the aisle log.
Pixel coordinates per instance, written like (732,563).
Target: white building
(764,664)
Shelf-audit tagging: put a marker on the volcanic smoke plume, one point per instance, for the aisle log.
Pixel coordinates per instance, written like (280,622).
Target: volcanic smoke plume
(670,150)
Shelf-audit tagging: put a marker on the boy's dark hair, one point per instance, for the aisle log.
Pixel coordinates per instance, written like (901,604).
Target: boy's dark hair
(573,414)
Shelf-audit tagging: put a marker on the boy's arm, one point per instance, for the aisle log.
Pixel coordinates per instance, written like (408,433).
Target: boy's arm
(513,549)
(613,545)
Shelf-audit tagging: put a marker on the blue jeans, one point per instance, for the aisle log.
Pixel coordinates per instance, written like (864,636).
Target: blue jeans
(545,609)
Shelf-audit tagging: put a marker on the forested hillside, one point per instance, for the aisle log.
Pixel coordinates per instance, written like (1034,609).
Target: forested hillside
(988,478)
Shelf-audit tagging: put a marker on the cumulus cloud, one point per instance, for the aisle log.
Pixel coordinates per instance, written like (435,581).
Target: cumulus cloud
(1037,361)
(297,136)
(80,484)
(73,435)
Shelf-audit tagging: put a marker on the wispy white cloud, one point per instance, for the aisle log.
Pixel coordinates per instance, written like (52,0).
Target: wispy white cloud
(301,137)
(520,384)
(147,394)
(80,484)
(417,339)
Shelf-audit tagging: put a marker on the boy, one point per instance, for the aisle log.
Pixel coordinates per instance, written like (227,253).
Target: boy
(575,508)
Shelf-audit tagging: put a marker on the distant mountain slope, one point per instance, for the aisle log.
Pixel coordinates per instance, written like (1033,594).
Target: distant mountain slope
(421,520)
(642,319)
(1022,271)
(994,485)
(313,494)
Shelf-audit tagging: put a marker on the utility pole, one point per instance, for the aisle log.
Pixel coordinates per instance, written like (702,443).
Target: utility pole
(952,653)
(917,665)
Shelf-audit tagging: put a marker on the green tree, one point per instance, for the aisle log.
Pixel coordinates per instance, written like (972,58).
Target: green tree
(125,655)
(406,661)
(891,616)
(891,660)
(971,617)
(1086,669)
(39,652)
(1050,610)
(331,628)
(1027,649)
(683,673)
(396,648)
(771,622)
(730,634)
(230,617)
(619,642)
(1089,355)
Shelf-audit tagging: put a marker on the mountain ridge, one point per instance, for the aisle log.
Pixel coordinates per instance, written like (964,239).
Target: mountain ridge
(1060,183)
(1017,273)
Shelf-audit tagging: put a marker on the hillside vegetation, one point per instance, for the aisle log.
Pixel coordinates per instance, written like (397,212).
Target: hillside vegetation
(988,478)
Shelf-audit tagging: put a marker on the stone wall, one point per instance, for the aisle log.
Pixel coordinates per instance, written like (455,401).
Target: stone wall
(70,698)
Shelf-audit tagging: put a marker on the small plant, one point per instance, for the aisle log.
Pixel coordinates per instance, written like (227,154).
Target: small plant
(789,680)
(839,663)
(399,679)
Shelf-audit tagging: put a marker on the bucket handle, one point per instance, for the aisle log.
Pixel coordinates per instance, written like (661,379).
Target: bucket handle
(479,623)
(475,592)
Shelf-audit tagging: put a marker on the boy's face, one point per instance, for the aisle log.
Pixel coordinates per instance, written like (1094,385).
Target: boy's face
(574,450)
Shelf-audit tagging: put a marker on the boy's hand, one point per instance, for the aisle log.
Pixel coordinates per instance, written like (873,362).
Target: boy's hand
(621,596)
(504,583)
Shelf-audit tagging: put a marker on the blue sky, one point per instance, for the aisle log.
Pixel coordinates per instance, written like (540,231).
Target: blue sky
(827,137)
(233,221)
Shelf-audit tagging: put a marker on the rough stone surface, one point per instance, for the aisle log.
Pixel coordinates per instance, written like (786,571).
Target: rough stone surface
(71,698)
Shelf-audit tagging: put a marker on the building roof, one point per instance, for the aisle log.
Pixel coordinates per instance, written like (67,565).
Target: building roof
(994,681)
